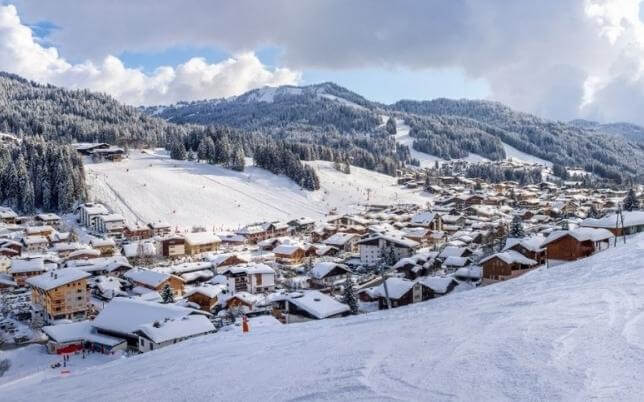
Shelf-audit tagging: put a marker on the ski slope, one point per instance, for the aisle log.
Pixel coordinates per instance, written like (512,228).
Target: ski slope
(426,160)
(513,153)
(571,332)
(151,187)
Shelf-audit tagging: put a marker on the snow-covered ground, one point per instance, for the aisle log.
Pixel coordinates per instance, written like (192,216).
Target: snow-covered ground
(150,187)
(572,332)
(32,364)
(513,153)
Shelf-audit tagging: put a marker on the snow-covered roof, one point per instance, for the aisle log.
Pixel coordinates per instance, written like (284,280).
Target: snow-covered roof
(510,257)
(318,304)
(169,329)
(340,239)
(452,251)
(27,265)
(125,316)
(396,287)
(423,218)
(249,269)
(56,278)
(631,218)
(453,261)
(207,290)
(201,238)
(79,331)
(287,249)
(470,272)
(438,284)
(580,234)
(146,277)
(321,269)
(532,243)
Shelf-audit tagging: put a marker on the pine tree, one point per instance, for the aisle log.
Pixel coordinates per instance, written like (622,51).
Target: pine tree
(237,161)
(593,212)
(631,202)
(167,295)
(391,126)
(516,227)
(349,296)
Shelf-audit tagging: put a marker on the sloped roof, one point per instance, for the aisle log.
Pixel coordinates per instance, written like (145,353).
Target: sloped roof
(56,278)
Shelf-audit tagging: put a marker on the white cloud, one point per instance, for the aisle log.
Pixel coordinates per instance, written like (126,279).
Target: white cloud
(21,54)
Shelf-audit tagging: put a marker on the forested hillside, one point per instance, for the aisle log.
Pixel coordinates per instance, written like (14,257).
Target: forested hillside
(40,175)
(565,144)
(28,109)
(329,115)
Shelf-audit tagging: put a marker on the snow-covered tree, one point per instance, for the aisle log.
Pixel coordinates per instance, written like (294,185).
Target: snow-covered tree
(167,295)
(391,126)
(516,227)
(349,296)
(593,212)
(631,202)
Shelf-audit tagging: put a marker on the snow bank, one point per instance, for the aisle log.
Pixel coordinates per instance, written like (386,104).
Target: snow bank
(573,332)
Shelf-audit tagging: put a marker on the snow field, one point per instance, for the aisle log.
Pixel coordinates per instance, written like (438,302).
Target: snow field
(572,332)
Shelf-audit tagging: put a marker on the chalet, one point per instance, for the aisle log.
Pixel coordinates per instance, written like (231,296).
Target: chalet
(77,336)
(308,305)
(206,296)
(529,247)
(453,251)
(21,269)
(191,272)
(124,318)
(570,245)
(439,285)
(154,280)
(224,260)
(60,237)
(201,242)
(372,249)
(252,278)
(173,246)
(6,282)
(289,253)
(60,294)
(87,148)
(454,220)
(146,249)
(301,225)
(112,225)
(631,222)
(231,239)
(88,214)
(111,153)
(505,265)
(48,219)
(169,331)
(113,266)
(41,230)
(428,220)
(471,274)
(417,265)
(262,231)
(10,248)
(84,253)
(343,241)
(106,247)
(136,232)
(348,220)
(7,215)
(451,264)
(160,228)
(35,244)
(327,274)
(401,293)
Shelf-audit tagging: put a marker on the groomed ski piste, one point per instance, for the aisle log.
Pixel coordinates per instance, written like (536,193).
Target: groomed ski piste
(570,332)
(148,186)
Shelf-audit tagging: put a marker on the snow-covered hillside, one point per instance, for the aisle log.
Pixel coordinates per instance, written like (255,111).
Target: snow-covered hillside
(426,160)
(572,332)
(149,187)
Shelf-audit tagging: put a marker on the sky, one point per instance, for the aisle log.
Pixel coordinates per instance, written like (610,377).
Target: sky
(560,59)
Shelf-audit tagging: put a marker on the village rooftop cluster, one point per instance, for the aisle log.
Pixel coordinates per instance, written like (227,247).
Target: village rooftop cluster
(93,281)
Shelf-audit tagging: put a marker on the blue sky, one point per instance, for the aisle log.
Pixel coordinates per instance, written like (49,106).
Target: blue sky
(379,84)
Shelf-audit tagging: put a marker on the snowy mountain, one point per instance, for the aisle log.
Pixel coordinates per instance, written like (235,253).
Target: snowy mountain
(628,131)
(571,332)
(443,128)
